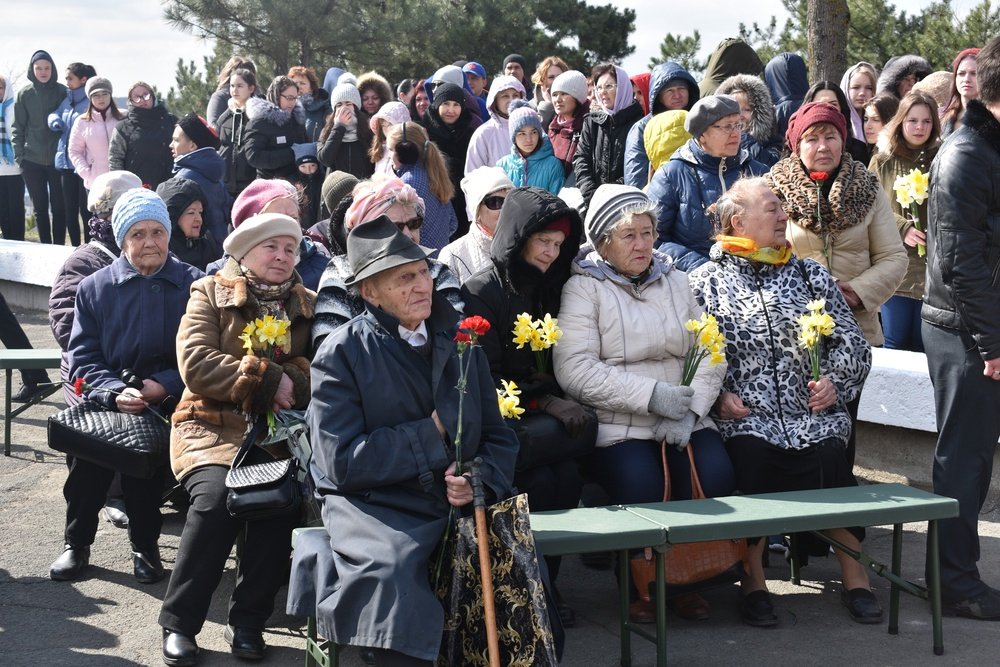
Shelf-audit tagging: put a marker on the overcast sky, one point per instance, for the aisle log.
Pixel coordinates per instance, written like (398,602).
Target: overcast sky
(130,42)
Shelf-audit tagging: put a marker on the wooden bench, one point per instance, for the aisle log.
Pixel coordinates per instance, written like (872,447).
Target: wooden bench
(660,525)
(22,360)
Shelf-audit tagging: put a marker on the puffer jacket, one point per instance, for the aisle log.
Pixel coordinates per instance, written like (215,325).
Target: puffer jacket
(963,244)
(542,169)
(232,127)
(207,168)
(269,137)
(663,135)
(691,181)
(491,140)
(510,286)
(621,338)
(32,138)
(89,143)
(222,384)
(758,138)
(636,158)
(869,255)
(141,144)
(758,306)
(600,155)
(888,167)
(788,82)
(62,119)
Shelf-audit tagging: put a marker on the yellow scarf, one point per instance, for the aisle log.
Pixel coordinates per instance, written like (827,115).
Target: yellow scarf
(746,248)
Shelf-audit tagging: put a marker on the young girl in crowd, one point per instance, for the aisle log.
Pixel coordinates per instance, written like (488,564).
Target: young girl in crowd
(90,138)
(347,136)
(531,161)
(232,126)
(878,112)
(418,163)
(390,114)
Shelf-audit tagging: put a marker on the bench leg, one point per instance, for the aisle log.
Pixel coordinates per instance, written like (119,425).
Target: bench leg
(934,586)
(897,566)
(661,610)
(6,415)
(624,577)
(793,561)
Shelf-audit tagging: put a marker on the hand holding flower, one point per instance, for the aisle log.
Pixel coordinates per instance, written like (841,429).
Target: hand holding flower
(458,488)
(130,401)
(822,394)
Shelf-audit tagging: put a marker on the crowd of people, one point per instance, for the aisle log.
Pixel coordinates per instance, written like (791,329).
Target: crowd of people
(372,218)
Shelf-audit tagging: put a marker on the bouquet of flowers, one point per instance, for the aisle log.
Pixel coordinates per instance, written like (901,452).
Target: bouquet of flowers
(539,334)
(911,192)
(708,343)
(268,338)
(816,324)
(510,404)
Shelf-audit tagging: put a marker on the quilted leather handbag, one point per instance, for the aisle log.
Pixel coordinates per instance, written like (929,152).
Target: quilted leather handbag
(135,445)
(261,490)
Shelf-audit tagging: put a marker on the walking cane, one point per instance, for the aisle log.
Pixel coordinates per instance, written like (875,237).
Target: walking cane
(486,570)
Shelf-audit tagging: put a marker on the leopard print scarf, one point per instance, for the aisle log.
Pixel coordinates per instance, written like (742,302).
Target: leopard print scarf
(851,197)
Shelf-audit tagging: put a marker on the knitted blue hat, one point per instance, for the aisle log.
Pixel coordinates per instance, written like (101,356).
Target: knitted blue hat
(135,206)
(522,115)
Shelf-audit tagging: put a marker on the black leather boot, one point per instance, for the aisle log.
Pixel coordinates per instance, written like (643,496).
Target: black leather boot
(70,565)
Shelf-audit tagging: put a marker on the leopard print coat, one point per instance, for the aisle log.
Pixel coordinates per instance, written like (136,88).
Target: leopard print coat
(757,306)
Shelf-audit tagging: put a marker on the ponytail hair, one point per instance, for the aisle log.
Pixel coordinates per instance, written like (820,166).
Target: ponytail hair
(410,143)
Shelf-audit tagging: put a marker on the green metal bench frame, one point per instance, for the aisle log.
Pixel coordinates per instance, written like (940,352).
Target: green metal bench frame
(11,360)
(660,525)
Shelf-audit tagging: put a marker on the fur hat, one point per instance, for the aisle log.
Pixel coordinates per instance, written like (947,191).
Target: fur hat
(135,206)
(197,130)
(345,92)
(258,228)
(707,111)
(107,188)
(449,74)
(610,202)
(809,115)
(480,183)
(378,246)
(336,186)
(392,112)
(256,196)
(572,83)
(98,83)
(521,116)
(937,85)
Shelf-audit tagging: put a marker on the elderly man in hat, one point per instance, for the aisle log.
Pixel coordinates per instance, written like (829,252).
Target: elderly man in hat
(385,414)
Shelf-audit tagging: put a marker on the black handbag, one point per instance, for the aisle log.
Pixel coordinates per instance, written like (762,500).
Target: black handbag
(261,490)
(134,445)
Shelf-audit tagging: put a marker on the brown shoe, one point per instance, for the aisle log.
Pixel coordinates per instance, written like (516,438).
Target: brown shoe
(642,611)
(690,607)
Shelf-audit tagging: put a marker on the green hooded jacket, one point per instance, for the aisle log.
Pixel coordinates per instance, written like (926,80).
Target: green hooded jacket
(32,139)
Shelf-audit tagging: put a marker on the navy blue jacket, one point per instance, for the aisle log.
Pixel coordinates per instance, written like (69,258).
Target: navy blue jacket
(207,168)
(125,320)
(690,182)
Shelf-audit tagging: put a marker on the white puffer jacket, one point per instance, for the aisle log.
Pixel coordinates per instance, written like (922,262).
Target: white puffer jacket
(620,339)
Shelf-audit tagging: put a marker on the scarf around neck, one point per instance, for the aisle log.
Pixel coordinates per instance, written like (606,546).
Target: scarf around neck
(850,198)
(270,298)
(739,246)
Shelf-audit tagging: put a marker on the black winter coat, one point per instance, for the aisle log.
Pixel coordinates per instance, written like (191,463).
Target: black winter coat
(453,141)
(351,157)
(963,241)
(600,155)
(232,127)
(141,144)
(269,137)
(378,465)
(511,286)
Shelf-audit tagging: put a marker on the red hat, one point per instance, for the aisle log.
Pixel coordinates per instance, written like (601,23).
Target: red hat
(962,55)
(558,225)
(812,114)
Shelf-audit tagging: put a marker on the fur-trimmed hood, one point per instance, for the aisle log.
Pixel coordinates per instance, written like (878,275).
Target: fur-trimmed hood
(761,126)
(261,108)
(896,69)
(378,83)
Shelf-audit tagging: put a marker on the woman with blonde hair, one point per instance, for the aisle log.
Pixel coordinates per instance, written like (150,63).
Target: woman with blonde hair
(547,71)
(418,163)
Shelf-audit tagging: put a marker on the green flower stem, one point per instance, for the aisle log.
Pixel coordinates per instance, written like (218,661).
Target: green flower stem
(915,215)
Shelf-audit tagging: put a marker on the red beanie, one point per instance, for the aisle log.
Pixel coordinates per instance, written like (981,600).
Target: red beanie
(962,55)
(812,114)
(558,225)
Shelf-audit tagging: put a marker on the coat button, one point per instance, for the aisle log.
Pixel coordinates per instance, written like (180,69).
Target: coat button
(156,288)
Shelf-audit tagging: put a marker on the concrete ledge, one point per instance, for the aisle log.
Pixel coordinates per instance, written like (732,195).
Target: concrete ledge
(898,391)
(27,271)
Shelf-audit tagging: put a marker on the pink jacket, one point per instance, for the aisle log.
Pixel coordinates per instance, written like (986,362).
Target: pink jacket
(89,141)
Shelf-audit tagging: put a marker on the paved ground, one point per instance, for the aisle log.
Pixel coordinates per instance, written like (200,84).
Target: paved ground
(110,620)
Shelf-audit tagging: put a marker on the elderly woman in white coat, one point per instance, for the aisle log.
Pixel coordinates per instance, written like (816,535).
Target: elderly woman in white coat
(622,353)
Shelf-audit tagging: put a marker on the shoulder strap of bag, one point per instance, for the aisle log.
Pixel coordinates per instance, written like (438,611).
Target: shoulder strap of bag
(101,247)
(248,442)
(697,492)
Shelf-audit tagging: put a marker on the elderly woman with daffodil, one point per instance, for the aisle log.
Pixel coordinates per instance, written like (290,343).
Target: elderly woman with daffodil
(629,320)
(795,357)
(242,350)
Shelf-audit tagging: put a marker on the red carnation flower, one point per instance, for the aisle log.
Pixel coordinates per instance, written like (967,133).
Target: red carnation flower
(476,325)
(819,175)
(462,337)
(79,385)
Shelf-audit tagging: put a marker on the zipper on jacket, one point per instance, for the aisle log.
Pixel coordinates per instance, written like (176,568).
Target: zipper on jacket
(774,361)
(722,174)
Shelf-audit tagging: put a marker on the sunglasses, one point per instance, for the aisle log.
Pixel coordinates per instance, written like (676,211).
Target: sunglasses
(413,224)
(493,202)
